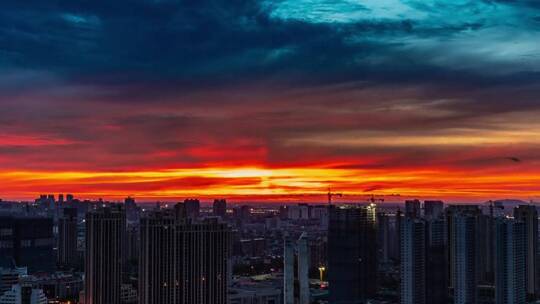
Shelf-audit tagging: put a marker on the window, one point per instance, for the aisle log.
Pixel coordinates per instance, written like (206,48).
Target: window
(6,232)
(6,244)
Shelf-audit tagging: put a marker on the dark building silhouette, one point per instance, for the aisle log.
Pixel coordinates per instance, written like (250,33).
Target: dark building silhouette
(486,249)
(451,212)
(510,244)
(105,234)
(27,242)
(436,261)
(463,238)
(352,254)
(413,261)
(413,209)
(67,239)
(183,261)
(220,208)
(433,209)
(396,252)
(384,241)
(242,213)
(129,203)
(192,208)
(529,216)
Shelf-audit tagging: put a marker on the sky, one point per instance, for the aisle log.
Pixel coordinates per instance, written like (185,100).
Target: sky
(258,100)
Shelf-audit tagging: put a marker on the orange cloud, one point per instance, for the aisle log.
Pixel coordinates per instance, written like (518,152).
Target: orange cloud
(259,183)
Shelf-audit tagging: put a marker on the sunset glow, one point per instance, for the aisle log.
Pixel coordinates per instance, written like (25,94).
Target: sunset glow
(271,101)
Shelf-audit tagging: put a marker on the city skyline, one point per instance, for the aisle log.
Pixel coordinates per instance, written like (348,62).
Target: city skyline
(270,101)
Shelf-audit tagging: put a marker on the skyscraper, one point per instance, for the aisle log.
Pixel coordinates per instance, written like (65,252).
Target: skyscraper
(67,239)
(413,261)
(288,270)
(303,270)
(192,207)
(436,261)
(220,208)
(465,254)
(510,262)
(433,209)
(23,294)
(384,241)
(183,261)
(451,213)
(27,242)
(105,233)
(352,254)
(412,208)
(529,216)
(486,248)
(296,280)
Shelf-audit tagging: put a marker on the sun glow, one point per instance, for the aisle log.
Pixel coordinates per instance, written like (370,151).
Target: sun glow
(271,183)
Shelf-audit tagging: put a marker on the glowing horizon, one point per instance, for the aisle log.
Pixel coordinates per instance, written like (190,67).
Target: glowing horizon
(270,100)
(271,184)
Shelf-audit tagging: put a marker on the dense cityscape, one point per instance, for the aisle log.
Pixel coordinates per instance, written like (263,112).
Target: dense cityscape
(59,249)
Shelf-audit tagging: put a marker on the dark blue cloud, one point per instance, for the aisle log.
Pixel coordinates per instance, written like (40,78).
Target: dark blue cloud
(213,42)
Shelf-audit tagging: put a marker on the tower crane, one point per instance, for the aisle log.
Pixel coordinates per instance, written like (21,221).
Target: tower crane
(374,198)
(332,194)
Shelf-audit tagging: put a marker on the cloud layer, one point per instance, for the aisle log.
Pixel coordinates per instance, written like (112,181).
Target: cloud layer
(410,97)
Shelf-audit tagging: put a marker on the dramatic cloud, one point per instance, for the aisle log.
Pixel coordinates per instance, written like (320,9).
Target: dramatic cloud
(422,98)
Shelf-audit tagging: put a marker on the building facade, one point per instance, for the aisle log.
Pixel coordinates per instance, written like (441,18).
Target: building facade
(105,235)
(510,257)
(67,239)
(352,254)
(413,261)
(529,216)
(183,261)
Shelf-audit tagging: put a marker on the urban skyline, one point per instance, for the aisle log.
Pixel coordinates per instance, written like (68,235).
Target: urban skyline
(270,152)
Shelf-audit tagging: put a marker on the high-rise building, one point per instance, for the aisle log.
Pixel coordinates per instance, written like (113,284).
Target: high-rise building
(296,279)
(10,277)
(413,208)
(27,242)
(220,208)
(23,294)
(243,213)
(67,239)
(183,261)
(486,249)
(352,254)
(436,261)
(384,241)
(303,270)
(413,261)
(433,209)
(129,203)
(529,216)
(465,255)
(192,208)
(450,215)
(288,270)
(395,250)
(105,234)
(510,263)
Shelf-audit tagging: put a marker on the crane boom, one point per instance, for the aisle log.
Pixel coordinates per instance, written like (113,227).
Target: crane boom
(332,194)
